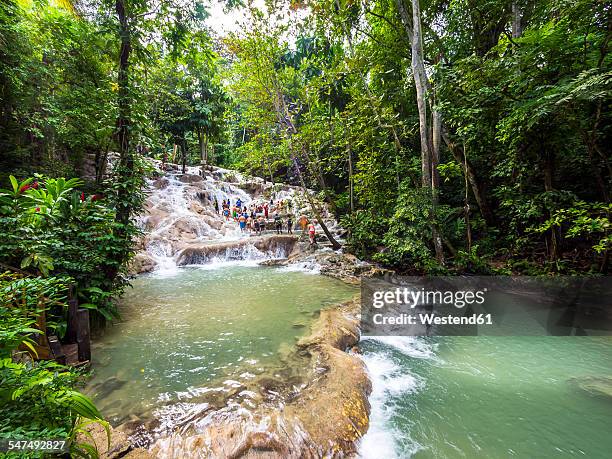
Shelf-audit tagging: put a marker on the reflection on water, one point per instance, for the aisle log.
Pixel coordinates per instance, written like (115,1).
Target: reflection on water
(202,331)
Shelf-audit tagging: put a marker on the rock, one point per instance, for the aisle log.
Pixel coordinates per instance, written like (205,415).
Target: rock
(595,385)
(161,183)
(141,263)
(323,417)
(190,178)
(275,245)
(154,218)
(120,445)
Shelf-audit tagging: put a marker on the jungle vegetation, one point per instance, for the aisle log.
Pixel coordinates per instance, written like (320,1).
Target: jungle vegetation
(446,136)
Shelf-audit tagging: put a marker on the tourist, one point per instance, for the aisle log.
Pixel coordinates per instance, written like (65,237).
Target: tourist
(278,223)
(249,224)
(303,221)
(216,206)
(262,224)
(311,233)
(266,210)
(290,225)
(226,213)
(239,203)
(242,222)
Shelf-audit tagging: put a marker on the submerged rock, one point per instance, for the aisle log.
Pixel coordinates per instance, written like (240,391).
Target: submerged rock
(595,385)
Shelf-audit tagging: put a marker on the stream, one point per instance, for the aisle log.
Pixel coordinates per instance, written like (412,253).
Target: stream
(203,329)
(489,397)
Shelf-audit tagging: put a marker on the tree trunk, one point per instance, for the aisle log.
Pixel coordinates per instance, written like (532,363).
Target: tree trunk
(184,154)
(468,228)
(205,152)
(429,157)
(475,184)
(335,244)
(349,154)
(548,187)
(126,160)
(286,117)
(517,27)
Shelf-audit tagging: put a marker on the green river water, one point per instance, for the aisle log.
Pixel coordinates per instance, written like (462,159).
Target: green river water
(215,326)
(489,397)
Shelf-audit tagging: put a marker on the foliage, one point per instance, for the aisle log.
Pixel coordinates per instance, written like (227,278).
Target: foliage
(525,124)
(51,227)
(37,399)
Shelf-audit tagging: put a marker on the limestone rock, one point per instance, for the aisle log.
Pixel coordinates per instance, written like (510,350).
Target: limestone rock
(141,263)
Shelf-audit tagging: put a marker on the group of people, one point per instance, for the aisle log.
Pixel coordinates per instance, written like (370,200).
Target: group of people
(255,218)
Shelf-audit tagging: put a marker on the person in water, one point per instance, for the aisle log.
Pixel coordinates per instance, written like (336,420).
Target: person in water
(242,222)
(239,203)
(311,233)
(216,205)
(278,223)
(303,221)
(262,224)
(290,225)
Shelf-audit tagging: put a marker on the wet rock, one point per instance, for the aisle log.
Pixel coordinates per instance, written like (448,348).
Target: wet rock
(119,447)
(595,385)
(322,415)
(161,183)
(190,178)
(235,250)
(154,218)
(141,263)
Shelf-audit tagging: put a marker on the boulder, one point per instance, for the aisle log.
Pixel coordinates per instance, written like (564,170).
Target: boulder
(190,178)
(161,183)
(141,263)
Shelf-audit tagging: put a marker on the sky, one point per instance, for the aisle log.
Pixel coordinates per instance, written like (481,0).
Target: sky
(225,22)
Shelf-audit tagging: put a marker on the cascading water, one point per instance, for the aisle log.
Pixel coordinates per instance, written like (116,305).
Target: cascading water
(180,216)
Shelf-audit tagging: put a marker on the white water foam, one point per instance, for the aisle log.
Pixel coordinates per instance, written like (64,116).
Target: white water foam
(391,380)
(303,267)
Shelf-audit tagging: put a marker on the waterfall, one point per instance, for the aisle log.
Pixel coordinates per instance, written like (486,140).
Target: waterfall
(181,226)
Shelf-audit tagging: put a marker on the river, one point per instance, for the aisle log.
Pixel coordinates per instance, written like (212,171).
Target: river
(488,397)
(202,329)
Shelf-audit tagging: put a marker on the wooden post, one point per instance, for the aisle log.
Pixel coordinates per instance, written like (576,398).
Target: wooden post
(73,324)
(41,324)
(56,349)
(83,336)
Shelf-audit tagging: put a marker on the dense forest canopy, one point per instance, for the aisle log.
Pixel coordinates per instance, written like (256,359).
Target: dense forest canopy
(464,135)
